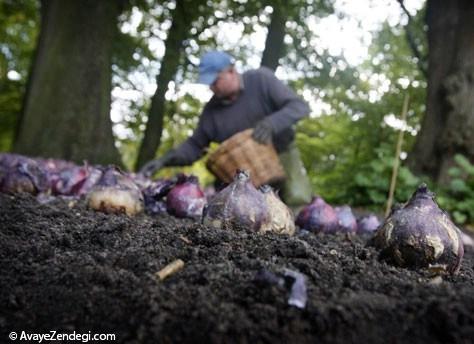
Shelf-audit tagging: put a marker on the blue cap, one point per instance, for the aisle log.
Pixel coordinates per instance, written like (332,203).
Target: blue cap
(211,64)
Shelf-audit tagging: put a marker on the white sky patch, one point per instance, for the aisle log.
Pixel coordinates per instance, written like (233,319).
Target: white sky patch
(404,82)
(230,35)
(157,46)
(319,107)
(132,95)
(223,37)
(341,37)
(132,25)
(395,122)
(202,92)
(351,35)
(13,75)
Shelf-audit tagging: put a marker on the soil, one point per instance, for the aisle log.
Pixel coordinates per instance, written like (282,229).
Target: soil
(67,268)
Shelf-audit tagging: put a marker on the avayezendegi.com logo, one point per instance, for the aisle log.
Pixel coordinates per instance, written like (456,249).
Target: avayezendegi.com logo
(55,336)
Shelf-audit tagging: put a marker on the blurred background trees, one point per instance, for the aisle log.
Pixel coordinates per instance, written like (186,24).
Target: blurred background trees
(127,66)
(449,122)
(66,108)
(19,27)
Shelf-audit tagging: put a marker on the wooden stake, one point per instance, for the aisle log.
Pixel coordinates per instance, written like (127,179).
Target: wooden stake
(186,240)
(396,163)
(170,269)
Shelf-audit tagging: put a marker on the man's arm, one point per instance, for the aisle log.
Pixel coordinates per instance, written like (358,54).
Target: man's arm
(192,149)
(188,152)
(289,108)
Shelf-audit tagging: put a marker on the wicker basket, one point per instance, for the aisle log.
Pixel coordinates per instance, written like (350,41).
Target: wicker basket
(242,152)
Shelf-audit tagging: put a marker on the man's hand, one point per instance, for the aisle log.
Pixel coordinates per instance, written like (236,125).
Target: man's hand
(153,166)
(263,131)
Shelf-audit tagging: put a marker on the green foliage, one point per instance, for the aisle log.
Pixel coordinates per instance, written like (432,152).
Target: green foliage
(18,29)
(349,149)
(372,181)
(458,197)
(10,105)
(128,52)
(346,170)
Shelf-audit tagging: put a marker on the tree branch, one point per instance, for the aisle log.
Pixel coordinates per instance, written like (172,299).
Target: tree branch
(411,41)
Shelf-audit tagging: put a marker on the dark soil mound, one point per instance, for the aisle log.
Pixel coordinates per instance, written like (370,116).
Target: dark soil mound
(66,268)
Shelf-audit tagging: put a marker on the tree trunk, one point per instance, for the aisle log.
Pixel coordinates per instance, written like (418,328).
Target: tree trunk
(67,110)
(274,43)
(449,121)
(178,32)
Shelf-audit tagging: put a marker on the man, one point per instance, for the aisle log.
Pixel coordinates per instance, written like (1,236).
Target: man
(255,99)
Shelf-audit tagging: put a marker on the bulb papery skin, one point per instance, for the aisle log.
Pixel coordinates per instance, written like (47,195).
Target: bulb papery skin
(368,224)
(116,193)
(19,174)
(318,217)
(420,234)
(186,198)
(347,222)
(239,206)
(281,217)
